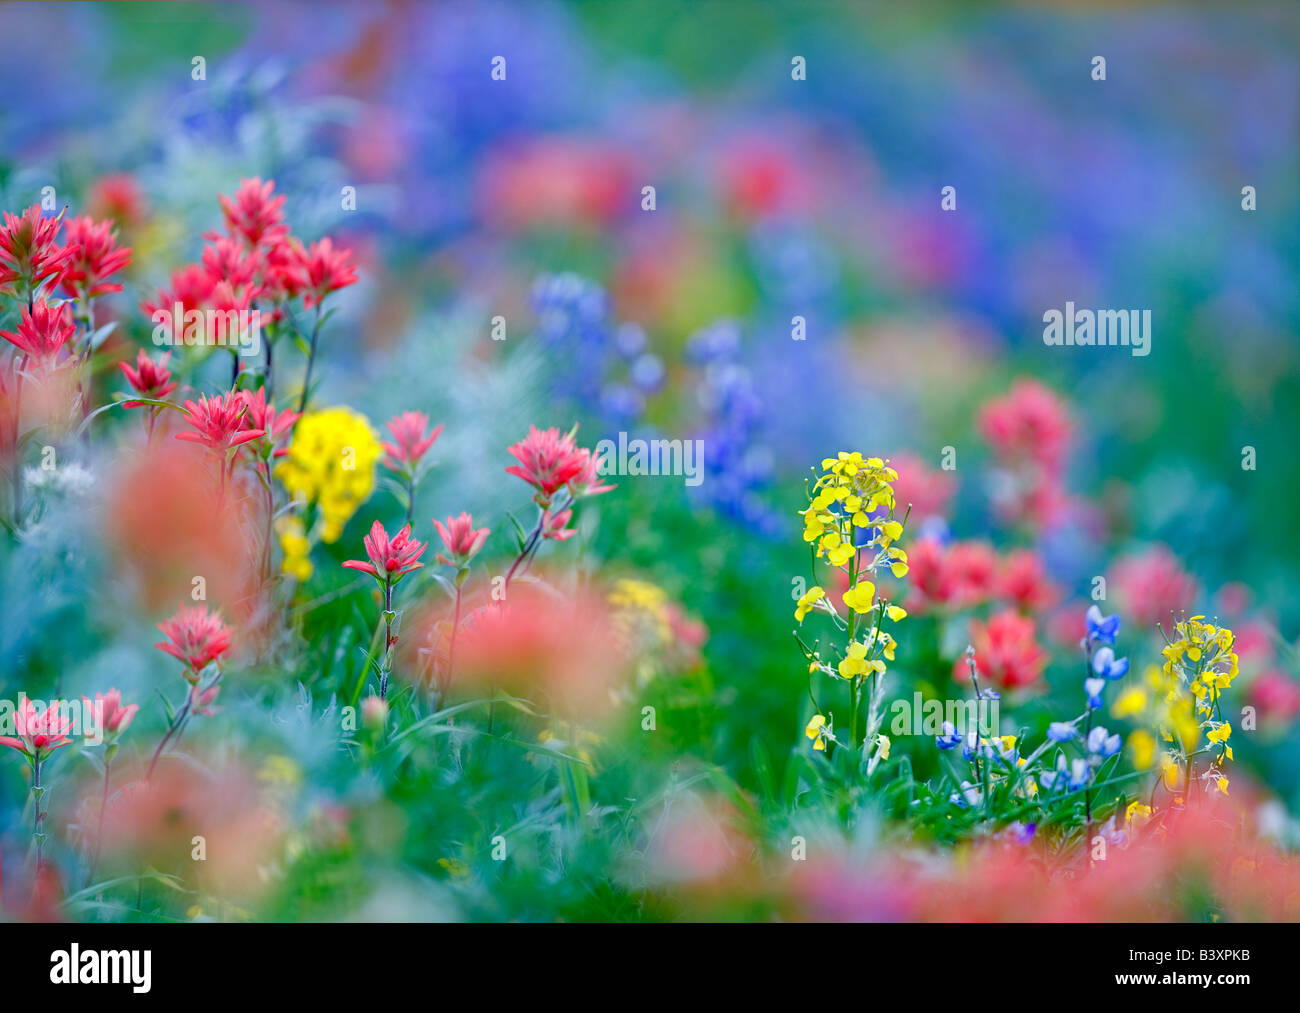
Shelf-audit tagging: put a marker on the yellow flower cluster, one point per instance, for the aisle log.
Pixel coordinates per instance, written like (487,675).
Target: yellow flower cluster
(641,608)
(295,546)
(850,518)
(331,463)
(1201,658)
(1180,701)
(842,503)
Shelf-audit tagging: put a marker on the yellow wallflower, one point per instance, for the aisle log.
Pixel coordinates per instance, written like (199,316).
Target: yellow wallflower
(331,463)
(861,597)
(1142,746)
(806,601)
(817,730)
(295,546)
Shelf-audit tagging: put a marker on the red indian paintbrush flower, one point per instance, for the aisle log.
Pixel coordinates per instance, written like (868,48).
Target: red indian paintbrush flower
(97,256)
(148,378)
(460,538)
(195,636)
(117,196)
(411,441)
(29,248)
(255,212)
(283,276)
(326,269)
(113,717)
(40,732)
(219,422)
(393,557)
(555,526)
(43,331)
(191,286)
(262,417)
(201,701)
(1006,652)
(548,460)
(225,259)
(587,481)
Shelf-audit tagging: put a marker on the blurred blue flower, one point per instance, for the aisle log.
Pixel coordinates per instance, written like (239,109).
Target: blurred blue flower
(1103,744)
(1105,665)
(1101,629)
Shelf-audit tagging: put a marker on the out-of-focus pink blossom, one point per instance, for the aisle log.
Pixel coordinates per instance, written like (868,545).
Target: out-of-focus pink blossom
(255,213)
(1007,653)
(1149,585)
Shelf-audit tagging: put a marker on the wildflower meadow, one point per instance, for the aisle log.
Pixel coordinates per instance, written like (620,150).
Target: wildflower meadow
(542,462)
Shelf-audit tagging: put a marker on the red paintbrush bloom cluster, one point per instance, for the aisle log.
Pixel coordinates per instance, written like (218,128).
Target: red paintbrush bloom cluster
(461,539)
(1020,580)
(96,256)
(327,270)
(550,461)
(30,250)
(40,732)
(967,574)
(255,213)
(43,332)
(389,558)
(1007,653)
(256,260)
(262,418)
(954,577)
(196,637)
(411,441)
(113,717)
(543,646)
(116,196)
(148,378)
(1151,584)
(219,422)
(1029,432)
(928,491)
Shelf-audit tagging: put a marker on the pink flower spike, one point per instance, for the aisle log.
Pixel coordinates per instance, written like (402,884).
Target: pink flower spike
(548,460)
(326,269)
(389,558)
(460,538)
(410,441)
(39,732)
(201,701)
(113,717)
(587,481)
(262,417)
(96,256)
(29,248)
(148,378)
(255,212)
(219,422)
(43,331)
(556,526)
(195,636)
